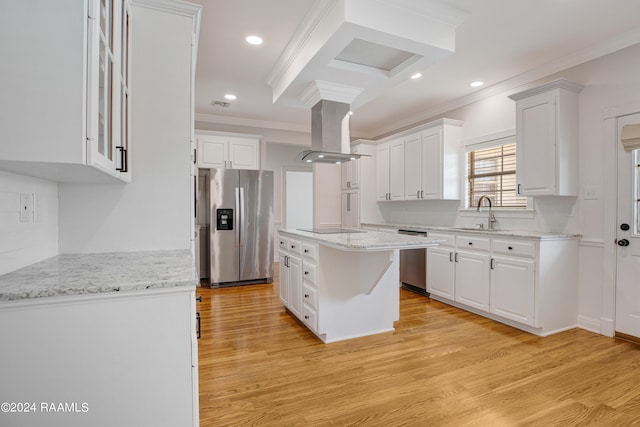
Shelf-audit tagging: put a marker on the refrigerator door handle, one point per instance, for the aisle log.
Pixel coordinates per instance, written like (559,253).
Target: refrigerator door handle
(243,223)
(238,218)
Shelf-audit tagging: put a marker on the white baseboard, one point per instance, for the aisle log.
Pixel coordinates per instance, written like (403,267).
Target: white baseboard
(590,324)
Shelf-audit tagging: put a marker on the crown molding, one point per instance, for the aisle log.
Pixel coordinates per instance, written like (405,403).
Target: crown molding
(319,90)
(512,85)
(238,121)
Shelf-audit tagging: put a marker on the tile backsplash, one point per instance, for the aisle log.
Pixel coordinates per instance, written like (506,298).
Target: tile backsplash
(28,220)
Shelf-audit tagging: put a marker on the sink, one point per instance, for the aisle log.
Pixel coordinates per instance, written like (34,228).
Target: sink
(484,230)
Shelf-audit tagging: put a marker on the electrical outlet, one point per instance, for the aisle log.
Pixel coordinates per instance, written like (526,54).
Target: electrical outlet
(590,192)
(37,207)
(25,207)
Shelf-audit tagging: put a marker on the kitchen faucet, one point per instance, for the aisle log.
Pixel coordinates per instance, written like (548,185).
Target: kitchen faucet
(492,218)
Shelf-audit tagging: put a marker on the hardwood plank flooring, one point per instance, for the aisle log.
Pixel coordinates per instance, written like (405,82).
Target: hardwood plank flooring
(440,367)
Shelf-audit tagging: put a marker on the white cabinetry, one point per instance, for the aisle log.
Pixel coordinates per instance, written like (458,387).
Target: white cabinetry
(228,152)
(531,284)
(458,269)
(291,275)
(472,280)
(298,289)
(83,113)
(390,170)
(121,353)
(441,266)
(547,139)
(351,208)
(432,162)
(351,173)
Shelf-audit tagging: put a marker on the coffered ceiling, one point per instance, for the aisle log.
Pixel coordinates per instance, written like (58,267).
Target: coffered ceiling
(504,43)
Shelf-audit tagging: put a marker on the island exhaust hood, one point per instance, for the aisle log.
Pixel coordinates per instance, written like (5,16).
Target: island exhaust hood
(330,142)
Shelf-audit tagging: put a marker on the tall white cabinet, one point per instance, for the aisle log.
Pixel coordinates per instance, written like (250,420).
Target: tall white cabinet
(547,139)
(68,66)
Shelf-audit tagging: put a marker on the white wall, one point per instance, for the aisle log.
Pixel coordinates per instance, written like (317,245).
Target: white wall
(24,243)
(153,212)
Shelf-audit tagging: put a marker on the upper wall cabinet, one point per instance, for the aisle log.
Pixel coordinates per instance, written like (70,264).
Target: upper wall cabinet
(432,162)
(547,139)
(228,152)
(390,170)
(65,84)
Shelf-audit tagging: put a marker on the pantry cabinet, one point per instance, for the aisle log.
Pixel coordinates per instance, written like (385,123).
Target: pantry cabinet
(433,162)
(547,139)
(228,152)
(390,170)
(83,114)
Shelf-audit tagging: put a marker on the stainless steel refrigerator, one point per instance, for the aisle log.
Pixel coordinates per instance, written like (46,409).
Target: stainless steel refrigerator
(241,227)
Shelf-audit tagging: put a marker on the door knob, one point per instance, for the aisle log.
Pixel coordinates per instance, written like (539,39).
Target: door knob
(624,227)
(623,242)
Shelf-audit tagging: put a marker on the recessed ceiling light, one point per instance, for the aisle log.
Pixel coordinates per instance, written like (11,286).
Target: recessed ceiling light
(255,40)
(230,97)
(416,76)
(351,113)
(476,84)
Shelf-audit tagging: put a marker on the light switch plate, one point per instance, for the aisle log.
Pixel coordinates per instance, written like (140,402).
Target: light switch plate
(37,207)
(25,207)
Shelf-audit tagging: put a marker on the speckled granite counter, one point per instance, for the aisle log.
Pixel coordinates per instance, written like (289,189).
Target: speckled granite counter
(99,273)
(367,241)
(510,233)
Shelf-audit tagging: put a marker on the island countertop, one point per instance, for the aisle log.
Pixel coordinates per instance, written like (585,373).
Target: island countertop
(74,274)
(365,240)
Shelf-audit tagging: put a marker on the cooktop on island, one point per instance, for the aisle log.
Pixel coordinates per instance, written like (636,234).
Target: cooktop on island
(331,230)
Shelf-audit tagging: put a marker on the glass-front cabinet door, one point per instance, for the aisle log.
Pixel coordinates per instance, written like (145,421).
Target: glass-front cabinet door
(108,98)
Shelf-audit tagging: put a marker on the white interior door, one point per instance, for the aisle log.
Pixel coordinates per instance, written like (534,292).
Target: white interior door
(628,238)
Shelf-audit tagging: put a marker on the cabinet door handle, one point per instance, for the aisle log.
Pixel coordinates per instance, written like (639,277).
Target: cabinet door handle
(306,251)
(306,317)
(456,257)
(306,295)
(470,243)
(450,256)
(123,159)
(230,164)
(491,264)
(418,194)
(510,248)
(422,194)
(519,192)
(306,273)
(198,324)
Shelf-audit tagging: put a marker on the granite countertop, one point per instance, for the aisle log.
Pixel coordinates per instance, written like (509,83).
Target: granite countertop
(367,241)
(509,233)
(99,273)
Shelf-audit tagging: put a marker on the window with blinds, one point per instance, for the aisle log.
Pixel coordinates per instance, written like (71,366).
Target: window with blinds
(492,172)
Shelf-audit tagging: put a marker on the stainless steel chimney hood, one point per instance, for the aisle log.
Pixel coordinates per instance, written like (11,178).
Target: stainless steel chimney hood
(330,142)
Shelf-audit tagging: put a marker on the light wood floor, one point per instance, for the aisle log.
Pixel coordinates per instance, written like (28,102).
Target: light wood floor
(441,367)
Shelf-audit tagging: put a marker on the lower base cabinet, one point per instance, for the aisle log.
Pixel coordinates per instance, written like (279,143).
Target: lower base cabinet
(531,284)
(110,359)
(513,289)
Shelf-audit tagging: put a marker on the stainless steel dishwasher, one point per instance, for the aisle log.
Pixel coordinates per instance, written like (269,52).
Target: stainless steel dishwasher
(413,266)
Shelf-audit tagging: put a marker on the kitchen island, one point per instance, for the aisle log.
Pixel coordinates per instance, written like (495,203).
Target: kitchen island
(100,339)
(343,285)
